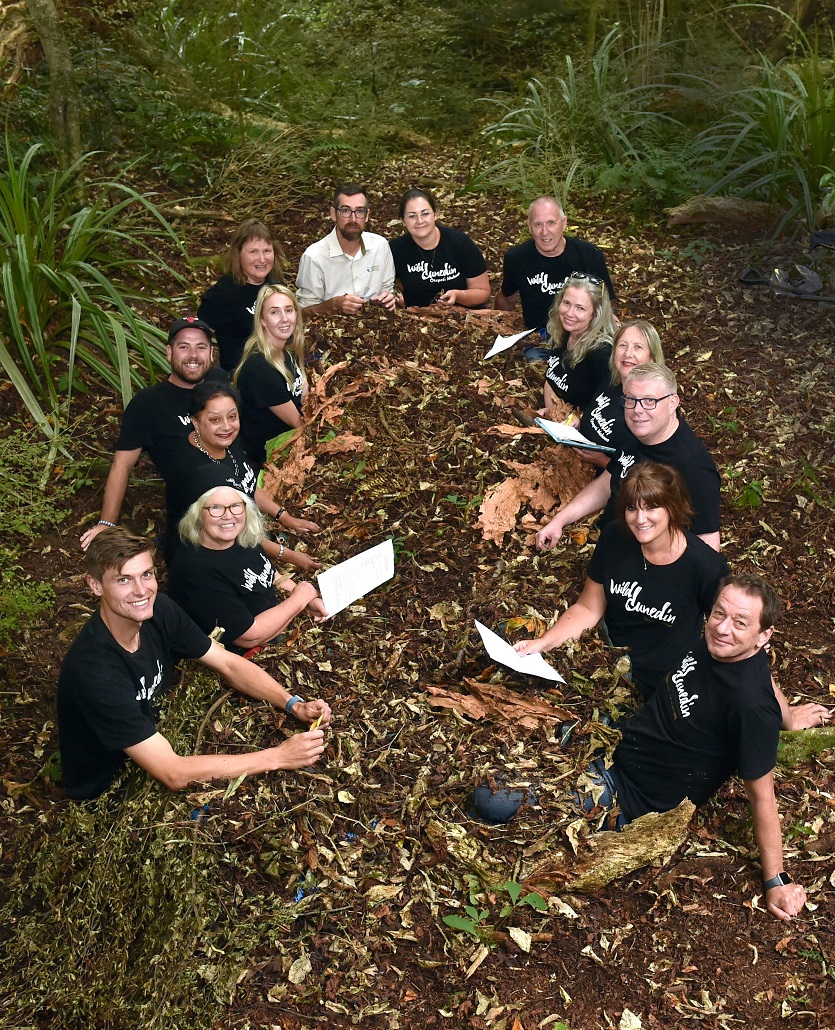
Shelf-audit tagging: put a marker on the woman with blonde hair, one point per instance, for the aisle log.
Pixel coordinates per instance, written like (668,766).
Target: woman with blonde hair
(271,376)
(252,260)
(581,326)
(222,577)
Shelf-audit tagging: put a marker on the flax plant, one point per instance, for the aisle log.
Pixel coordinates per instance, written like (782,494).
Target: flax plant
(72,277)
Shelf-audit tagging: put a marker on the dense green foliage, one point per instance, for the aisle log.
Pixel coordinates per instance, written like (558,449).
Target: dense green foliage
(73,278)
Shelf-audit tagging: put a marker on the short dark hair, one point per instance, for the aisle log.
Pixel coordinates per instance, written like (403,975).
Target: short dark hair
(659,486)
(201,394)
(252,229)
(113,548)
(755,586)
(350,189)
(416,194)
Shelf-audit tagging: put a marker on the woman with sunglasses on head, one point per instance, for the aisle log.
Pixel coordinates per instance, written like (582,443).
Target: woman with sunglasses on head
(271,374)
(603,421)
(253,259)
(222,577)
(211,456)
(581,326)
(652,579)
(433,262)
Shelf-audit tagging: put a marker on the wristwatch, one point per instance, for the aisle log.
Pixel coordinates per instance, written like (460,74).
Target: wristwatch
(780,880)
(288,708)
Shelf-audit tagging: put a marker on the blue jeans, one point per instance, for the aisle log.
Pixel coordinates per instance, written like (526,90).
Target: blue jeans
(602,777)
(536,351)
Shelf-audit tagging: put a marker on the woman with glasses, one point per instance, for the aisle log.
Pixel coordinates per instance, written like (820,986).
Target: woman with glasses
(253,259)
(603,422)
(581,326)
(210,457)
(222,577)
(435,263)
(652,579)
(271,374)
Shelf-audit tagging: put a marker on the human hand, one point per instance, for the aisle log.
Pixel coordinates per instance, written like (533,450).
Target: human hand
(310,711)
(449,297)
(87,538)
(786,901)
(296,525)
(303,561)
(348,304)
(807,716)
(528,646)
(599,458)
(317,609)
(386,298)
(300,750)
(547,538)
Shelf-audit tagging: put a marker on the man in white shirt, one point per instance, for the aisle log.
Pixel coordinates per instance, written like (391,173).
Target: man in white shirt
(349,268)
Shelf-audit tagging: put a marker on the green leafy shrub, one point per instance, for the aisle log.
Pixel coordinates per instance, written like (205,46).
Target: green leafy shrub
(778,141)
(23,604)
(71,275)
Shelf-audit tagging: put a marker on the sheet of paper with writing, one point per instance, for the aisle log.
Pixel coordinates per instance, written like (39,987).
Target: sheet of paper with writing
(352,579)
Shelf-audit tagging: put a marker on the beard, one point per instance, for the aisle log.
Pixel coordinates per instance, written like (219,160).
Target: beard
(350,233)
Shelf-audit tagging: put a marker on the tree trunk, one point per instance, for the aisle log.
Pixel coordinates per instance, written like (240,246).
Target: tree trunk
(63,95)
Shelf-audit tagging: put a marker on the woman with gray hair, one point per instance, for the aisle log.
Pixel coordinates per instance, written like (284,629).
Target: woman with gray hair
(222,577)
(581,326)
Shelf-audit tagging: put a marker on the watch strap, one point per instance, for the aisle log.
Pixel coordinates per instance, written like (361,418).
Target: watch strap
(288,708)
(780,880)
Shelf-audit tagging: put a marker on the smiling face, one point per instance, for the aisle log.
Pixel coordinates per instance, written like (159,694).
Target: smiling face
(651,427)
(649,524)
(631,350)
(127,594)
(732,630)
(350,227)
(547,227)
(220,533)
(218,424)
(575,310)
(190,357)
(419,219)
(278,319)
(257,258)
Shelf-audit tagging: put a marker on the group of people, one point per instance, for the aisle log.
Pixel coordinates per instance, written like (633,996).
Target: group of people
(656,583)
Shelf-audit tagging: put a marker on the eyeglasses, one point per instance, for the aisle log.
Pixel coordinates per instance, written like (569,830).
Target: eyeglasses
(345,212)
(647,403)
(588,277)
(412,215)
(217,511)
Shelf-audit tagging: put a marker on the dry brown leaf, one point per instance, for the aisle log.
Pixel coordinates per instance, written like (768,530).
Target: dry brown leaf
(504,429)
(497,703)
(342,444)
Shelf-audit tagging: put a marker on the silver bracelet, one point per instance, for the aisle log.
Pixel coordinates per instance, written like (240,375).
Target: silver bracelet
(104,522)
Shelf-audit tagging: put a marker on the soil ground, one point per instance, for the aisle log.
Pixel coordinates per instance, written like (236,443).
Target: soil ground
(366,855)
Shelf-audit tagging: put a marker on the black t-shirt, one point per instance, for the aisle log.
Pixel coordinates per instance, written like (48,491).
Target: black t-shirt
(228,308)
(537,279)
(263,387)
(424,274)
(685,452)
(226,588)
(192,473)
(657,611)
(710,720)
(157,421)
(108,698)
(576,384)
(603,420)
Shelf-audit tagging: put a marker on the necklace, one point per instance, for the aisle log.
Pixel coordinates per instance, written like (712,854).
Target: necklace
(198,443)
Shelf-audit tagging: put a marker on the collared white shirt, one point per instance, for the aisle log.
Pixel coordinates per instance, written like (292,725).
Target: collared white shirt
(326,271)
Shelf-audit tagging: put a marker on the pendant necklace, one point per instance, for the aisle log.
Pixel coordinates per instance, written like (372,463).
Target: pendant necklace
(218,461)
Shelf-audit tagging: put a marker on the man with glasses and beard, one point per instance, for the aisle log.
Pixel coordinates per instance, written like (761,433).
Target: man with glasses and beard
(659,433)
(349,268)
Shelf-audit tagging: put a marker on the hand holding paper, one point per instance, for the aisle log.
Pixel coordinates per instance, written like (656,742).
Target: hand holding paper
(502,652)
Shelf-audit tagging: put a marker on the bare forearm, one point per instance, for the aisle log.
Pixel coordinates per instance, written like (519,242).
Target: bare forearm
(117,484)
(271,622)
(569,626)
(590,499)
(502,303)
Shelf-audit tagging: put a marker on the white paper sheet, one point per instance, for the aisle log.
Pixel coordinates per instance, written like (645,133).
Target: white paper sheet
(504,342)
(352,579)
(502,652)
(562,433)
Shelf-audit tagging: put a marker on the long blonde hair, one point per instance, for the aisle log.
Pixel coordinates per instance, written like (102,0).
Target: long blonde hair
(651,339)
(602,326)
(259,342)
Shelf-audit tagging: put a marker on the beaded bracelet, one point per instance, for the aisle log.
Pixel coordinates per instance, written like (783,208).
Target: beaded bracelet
(104,522)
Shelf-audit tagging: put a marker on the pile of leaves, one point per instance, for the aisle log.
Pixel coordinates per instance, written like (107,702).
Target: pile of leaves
(364,891)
